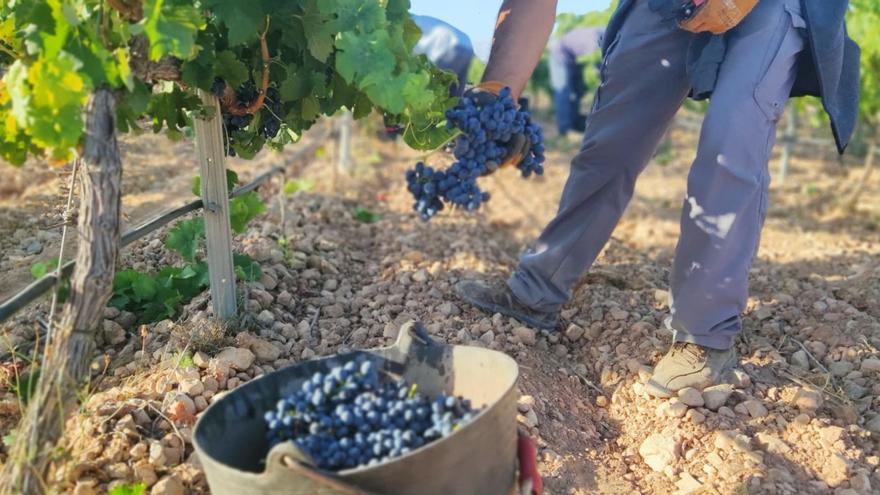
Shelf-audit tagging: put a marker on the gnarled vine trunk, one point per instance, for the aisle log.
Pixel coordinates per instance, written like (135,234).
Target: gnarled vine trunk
(69,353)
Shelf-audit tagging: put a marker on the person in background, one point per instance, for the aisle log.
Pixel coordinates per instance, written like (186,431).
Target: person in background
(748,57)
(446,47)
(567,75)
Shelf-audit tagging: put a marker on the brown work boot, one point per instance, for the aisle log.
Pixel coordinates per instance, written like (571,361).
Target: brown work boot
(689,365)
(498,298)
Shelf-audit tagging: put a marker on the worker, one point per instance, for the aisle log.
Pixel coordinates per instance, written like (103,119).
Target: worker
(748,57)
(446,47)
(567,75)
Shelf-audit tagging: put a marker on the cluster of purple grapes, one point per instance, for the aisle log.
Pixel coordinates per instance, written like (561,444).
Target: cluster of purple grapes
(348,418)
(245,94)
(488,130)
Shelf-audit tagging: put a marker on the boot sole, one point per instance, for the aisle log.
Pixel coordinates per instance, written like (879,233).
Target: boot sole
(521,317)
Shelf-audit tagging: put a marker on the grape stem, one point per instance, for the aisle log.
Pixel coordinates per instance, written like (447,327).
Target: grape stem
(228,102)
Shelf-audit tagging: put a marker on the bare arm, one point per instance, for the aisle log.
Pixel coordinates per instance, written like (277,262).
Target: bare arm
(521,32)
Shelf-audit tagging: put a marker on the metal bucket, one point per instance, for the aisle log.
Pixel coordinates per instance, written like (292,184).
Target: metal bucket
(479,458)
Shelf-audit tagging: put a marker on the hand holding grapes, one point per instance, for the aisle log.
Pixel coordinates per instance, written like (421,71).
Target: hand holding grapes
(485,94)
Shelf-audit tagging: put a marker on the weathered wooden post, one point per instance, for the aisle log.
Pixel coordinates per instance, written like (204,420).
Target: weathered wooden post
(218,232)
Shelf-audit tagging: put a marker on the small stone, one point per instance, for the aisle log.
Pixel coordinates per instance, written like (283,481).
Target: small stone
(808,399)
(110,313)
(157,454)
(264,350)
(239,358)
(266,317)
(420,276)
(661,297)
(695,416)
(836,470)
(33,247)
(85,488)
(740,379)
(873,425)
(716,396)
(800,360)
(691,397)
(448,309)
(331,284)
(118,471)
(602,401)
(773,444)
(114,334)
(870,365)
(840,368)
(192,387)
(802,419)
(144,473)
(391,331)
(201,360)
(675,408)
(488,337)
(201,403)
(268,280)
(531,419)
(525,335)
(525,403)
(139,451)
(755,408)
(169,485)
(618,314)
(687,484)
(726,411)
(574,332)
(659,451)
(763,313)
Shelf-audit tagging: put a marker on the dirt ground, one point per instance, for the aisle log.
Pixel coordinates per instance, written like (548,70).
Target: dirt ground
(801,414)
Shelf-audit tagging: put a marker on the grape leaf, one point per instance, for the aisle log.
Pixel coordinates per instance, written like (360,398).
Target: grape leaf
(185,237)
(172,26)
(243,20)
(230,68)
(128,489)
(243,209)
(246,268)
(366,216)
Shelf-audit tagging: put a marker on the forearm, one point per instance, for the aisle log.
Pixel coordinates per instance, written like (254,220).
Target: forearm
(521,32)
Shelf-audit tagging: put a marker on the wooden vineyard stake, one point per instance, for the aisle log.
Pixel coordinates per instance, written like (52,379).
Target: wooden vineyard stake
(218,232)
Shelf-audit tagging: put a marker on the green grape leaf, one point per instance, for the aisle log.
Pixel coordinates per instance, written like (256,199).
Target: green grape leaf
(243,209)
(172,26)
(144,288)
(128,489)
(246,268)
(243,20)
(362,56)
(319,28)
(292,187)
(230,68)
(185,237)
(231,182)
(366,216)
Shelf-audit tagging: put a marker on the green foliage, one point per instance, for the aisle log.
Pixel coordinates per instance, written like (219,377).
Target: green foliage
(475,71)
(566,21)
(324,55)
(128,489)
(159,296)
(231,182)
(243,209)
(24,386)
(43,268)
(366,216)
(862,19)
(292,187)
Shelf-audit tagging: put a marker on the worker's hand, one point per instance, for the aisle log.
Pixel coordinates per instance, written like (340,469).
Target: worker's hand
(716,16)
(518,146)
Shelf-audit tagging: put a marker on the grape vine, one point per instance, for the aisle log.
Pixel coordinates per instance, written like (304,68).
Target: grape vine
(276,65)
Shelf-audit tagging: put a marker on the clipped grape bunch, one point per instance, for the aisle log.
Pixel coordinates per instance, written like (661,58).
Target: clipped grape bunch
(486,133)
(245,94)
(348,417)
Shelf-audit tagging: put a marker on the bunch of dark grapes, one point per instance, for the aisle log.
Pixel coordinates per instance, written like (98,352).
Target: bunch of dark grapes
(271,123)
(245,94)
(348,418)
(487,133)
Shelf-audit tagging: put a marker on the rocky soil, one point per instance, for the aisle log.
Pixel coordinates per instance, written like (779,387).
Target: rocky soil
(800,415)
